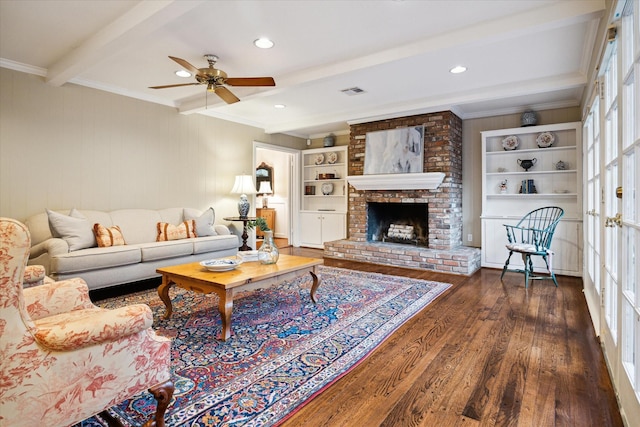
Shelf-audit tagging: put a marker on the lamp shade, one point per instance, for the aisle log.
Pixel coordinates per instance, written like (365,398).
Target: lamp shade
(244,185)
(265,188)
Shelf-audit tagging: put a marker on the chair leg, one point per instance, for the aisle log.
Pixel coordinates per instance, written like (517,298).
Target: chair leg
(162,393)
(550,268)
(506,265)
(528,269)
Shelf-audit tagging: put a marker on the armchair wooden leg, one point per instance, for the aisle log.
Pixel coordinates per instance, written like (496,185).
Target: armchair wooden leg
(162,393)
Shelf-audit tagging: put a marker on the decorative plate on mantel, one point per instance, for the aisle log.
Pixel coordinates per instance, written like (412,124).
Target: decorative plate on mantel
(319,159)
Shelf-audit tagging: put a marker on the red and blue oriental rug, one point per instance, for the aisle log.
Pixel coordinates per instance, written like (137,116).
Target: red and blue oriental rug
(284,349)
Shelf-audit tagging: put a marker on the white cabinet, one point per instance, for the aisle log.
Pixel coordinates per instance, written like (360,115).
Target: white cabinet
(319,227)
(323,209)
(554,179)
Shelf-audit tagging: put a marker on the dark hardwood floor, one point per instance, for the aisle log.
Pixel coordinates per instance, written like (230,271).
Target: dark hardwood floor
(484,353)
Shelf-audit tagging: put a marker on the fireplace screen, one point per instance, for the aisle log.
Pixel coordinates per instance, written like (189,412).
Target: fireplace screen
(405,223)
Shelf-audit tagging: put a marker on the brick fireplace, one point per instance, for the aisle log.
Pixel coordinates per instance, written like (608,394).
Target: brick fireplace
(443,250)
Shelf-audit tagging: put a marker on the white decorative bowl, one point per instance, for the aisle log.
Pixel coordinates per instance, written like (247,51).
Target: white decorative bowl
(221,264)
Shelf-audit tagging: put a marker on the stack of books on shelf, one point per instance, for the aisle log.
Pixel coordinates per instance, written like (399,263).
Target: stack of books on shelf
(528,187)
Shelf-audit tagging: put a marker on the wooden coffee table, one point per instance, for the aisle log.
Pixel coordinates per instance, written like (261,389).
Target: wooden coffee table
(248,276)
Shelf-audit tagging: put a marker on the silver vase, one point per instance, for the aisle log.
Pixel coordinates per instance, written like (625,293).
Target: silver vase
(268,252)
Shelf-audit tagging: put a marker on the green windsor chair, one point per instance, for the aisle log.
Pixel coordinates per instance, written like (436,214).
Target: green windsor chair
(532,236)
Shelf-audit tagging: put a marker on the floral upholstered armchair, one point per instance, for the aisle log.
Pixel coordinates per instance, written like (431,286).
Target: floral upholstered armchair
(63,359)
(34,275)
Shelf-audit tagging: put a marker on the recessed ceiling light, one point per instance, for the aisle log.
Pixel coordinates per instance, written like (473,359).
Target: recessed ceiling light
(183,73)
(280,106)
(263,43)
(458,69)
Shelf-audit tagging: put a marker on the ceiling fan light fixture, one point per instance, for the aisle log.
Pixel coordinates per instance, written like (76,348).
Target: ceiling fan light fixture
(183,73)
(263,43)
(211,88)
(458,69)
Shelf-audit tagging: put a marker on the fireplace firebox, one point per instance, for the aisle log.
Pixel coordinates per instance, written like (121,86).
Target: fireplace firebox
(405,223)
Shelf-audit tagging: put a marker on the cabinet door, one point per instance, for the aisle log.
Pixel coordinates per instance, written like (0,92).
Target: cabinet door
(269,216)
(310,228)
(333,227)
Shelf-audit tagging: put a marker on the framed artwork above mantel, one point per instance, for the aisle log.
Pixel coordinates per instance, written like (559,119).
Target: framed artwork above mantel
(394,151)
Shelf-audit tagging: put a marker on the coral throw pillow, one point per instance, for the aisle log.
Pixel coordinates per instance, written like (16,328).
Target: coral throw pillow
(108,236)
(184,230)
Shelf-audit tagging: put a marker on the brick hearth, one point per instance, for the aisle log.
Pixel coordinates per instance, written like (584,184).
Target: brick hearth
(443,153)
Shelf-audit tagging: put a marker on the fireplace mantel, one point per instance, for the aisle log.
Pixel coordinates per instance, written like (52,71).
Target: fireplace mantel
(401,181)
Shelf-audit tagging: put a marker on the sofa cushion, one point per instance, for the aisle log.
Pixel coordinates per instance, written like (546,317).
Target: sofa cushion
(74,228)
(162,250)
(214,243)
(108,236)
(95,259)
(184,230)
(137,225)
(204,222)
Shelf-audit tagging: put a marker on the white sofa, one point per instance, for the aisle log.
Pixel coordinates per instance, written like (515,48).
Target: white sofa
(137,259)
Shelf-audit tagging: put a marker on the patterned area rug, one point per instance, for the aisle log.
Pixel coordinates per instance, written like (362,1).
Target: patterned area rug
(284,349)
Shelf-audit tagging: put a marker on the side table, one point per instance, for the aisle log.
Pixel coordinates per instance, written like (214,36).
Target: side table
(245,236)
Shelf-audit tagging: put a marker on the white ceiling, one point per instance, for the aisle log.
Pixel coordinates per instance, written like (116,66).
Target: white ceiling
(519,54)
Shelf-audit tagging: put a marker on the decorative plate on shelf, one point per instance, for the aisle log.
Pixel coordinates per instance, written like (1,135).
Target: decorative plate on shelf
(510,143)
(221,264)
(327,188)
(545,139)
(319,159)
(332,157)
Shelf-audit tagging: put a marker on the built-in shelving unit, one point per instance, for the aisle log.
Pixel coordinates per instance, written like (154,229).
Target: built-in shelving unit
(324,196)
(555,185)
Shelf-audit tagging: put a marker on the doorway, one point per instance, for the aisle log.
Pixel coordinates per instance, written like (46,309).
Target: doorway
(284,198)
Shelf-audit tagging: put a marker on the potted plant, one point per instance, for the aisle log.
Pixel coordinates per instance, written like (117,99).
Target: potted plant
(258,222)
(268,252)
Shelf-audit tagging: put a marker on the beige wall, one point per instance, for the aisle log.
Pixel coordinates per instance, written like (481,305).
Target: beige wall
(472,161)
(72,146)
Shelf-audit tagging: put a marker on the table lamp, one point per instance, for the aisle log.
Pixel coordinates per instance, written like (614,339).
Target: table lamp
(264,190)
(243,186)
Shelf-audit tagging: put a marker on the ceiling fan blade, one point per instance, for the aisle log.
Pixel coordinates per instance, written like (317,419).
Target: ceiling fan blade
(180,84)
(187,66)
(226,95)
(250,81)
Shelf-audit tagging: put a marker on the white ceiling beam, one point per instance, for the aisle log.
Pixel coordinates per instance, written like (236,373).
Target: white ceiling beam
(555,15)
(140,21)
(429,104)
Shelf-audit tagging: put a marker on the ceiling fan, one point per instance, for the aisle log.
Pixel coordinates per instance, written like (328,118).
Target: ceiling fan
(215,79)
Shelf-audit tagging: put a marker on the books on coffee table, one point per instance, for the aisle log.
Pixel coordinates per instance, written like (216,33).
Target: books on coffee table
(248,256)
